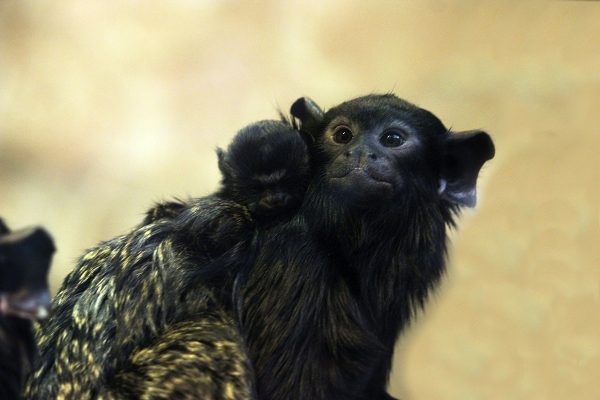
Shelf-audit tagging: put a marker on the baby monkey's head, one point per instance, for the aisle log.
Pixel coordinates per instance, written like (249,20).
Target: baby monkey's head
(265,168)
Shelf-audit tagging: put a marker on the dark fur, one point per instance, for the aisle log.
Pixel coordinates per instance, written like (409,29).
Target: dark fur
(331,290)
(24,261)
(265,168)
(17,349)
(142,306)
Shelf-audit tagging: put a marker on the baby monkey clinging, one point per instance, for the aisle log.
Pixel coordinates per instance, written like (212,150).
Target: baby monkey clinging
(264,169)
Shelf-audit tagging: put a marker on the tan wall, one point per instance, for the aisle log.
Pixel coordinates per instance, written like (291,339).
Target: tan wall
(108,106)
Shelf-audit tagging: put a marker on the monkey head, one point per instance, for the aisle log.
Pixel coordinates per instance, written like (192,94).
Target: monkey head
(379,147)
(25,257)
(265,168)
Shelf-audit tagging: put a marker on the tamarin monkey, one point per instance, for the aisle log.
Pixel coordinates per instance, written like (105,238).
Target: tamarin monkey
(331,289)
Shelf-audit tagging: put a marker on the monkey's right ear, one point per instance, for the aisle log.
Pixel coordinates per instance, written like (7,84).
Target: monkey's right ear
(308,112)
(224,166)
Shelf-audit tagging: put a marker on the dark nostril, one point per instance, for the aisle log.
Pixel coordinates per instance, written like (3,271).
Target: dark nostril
(348,153)
(373,156)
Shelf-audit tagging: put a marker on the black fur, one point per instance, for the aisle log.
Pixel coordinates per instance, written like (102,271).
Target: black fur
(24,261)
(264,169)
(17,349)
(331,290)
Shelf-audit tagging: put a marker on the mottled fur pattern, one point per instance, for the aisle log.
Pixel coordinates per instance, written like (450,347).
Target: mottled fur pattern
(200,356)
(132,292)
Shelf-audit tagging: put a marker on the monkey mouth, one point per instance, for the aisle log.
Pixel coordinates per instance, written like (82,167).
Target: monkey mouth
(363,173)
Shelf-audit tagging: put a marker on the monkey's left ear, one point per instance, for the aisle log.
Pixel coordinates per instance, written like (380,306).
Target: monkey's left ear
(464,155)
(308,112)
(3,228)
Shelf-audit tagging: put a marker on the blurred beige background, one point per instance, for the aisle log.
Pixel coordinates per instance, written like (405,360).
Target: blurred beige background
(106,107)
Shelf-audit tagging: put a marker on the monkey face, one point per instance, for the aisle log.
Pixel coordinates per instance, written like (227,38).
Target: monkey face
(366,160)
(380,147)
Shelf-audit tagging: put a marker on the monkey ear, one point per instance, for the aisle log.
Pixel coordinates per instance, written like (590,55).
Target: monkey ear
(224,166)
(3,228)
(464,155)
(307,111)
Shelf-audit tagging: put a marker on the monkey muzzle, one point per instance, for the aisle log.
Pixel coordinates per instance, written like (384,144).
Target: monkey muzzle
(365,181)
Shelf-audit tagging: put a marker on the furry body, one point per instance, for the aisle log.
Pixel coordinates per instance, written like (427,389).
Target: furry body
(117,311)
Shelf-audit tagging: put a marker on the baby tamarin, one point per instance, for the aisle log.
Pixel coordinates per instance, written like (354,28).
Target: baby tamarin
(264,169)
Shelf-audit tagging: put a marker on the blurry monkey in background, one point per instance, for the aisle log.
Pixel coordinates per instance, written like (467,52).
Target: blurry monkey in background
(25,257)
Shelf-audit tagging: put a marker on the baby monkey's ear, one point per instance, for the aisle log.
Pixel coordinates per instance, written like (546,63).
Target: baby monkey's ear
(224,166)
(464,155)
(308,113)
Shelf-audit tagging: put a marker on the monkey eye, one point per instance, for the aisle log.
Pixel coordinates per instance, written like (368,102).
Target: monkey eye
(392,139)
(342,135)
